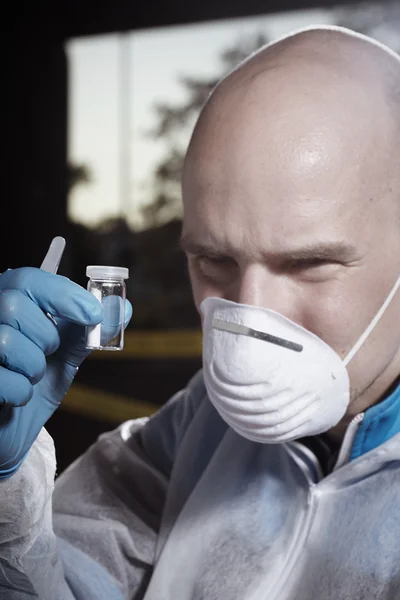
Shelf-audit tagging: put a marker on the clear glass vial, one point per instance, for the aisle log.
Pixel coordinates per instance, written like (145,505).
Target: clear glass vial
(107,284)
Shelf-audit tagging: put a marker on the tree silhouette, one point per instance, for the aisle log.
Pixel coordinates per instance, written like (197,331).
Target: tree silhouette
(77,175)
(379,20)
(174,123)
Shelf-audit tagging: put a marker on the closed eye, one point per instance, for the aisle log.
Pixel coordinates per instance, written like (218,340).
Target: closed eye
(215,260)
(220,268)
(313,269)
(309,263)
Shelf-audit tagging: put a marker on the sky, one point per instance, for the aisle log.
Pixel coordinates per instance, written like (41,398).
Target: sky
(157,58)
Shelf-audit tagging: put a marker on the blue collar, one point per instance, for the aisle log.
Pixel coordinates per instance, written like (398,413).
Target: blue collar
(380,423)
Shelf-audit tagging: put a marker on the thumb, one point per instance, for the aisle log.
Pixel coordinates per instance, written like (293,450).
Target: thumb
(110,327)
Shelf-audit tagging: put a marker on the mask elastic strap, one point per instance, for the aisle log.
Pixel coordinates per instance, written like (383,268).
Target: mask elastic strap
(372,325)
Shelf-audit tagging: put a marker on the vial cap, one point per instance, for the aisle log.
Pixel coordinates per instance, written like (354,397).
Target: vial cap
(105,272)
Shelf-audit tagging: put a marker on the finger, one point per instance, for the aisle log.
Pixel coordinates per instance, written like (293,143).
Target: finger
(15,389)
(54,294)
(18,311)
(19,354)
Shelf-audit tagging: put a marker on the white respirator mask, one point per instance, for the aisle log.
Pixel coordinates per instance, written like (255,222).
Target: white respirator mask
(270,379)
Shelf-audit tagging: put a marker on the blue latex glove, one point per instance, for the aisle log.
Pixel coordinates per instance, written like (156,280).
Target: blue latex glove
(39,360)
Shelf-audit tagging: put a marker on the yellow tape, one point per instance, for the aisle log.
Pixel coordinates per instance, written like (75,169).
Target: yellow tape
(97,404)
(115,408)
(186,343)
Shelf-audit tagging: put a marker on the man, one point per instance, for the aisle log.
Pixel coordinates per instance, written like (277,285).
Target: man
(276,473)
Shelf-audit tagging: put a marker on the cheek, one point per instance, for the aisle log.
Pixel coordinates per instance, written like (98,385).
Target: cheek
(331,317)
(340,316)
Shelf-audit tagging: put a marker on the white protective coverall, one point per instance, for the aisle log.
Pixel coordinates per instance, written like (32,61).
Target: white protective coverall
(180,507)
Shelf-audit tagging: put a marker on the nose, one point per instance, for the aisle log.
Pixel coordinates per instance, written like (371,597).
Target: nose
(259,287)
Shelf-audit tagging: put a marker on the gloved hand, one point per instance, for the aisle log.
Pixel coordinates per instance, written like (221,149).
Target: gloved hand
(39,359)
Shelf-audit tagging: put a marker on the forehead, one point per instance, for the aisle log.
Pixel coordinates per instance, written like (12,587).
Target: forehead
(281,169)
(256,218)
(251,199)
(272,133)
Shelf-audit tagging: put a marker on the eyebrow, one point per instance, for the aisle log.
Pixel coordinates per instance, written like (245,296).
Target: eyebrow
(339,251)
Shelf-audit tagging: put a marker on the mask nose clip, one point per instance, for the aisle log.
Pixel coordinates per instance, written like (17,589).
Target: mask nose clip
(255,333)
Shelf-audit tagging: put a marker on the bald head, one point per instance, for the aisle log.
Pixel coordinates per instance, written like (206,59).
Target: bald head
(291,192)
(324,92)
(341,54)
(340,51)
